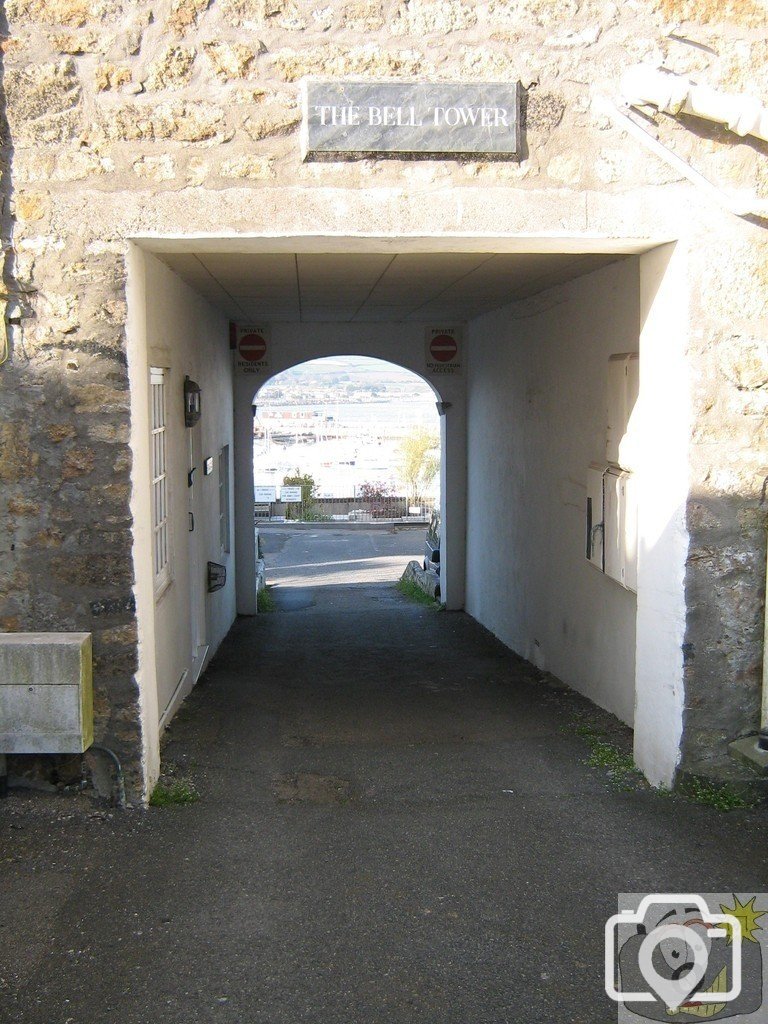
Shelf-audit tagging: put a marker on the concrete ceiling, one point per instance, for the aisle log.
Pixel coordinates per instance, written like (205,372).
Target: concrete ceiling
(373,287)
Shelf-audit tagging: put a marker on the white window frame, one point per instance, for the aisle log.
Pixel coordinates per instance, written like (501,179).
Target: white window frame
(161,528)
(225,528)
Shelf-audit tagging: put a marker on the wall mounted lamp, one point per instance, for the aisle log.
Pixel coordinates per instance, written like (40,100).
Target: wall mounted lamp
(191,402)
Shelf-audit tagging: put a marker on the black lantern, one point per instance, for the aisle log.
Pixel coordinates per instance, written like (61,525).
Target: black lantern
(191,402)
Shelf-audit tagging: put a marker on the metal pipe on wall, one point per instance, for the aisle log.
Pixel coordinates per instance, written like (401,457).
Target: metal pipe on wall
(673,94)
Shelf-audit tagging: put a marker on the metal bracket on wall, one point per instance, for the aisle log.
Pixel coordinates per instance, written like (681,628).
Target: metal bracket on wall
(749,206)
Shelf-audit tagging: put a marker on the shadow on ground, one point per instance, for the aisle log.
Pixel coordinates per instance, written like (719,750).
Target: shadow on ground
(396,823)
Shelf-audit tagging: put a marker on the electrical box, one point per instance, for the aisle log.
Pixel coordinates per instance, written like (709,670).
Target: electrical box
(594,515)
(623,392)
(620,527)
(46,693)
(611,512)
(630,533)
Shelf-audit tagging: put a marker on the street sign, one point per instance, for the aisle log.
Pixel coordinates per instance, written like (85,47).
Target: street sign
(263,494)
(252,348)
(290,493)
(443,350)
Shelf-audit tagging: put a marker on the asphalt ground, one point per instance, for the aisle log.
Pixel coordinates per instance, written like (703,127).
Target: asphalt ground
(335,568)
(396,824)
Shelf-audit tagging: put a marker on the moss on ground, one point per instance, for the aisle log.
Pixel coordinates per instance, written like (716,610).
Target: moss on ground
(173,792)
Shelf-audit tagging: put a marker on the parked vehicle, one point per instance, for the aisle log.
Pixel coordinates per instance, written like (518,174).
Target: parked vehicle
(432,544)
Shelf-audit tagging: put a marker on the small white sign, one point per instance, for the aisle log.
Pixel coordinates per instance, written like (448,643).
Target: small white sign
(263,494)
(291,493)
(252,348)
(443,350)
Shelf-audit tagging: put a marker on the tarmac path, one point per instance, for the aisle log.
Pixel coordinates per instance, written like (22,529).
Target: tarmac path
(396,824)
(334,568)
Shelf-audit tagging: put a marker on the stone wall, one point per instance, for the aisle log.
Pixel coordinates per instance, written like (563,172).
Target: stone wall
(727,512)
(173,95)
(182,116)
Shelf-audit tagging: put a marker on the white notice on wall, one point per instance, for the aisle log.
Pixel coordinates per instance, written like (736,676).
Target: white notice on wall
(264,494)
(443,350)
(252,349)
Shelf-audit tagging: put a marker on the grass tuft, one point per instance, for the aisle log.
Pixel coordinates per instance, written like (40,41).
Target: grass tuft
(624,774)
(589,731)
(176,792)
(265,602)
(620,767)
(414,592)
(721,796)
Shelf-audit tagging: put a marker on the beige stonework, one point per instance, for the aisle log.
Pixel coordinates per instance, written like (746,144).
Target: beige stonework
(185,14)
(78,43)
(172,70)
(431,17)
(362,16)
(231,60)
(20,506)
(183,122)
(565,167)
(32,205)
(156,168)
(741,12)
(540,12)
(58,432)
(370,60)
(111,76)
(181,118)
(255,168)
(17,460)
(74,13)
(272,119)
(43,101)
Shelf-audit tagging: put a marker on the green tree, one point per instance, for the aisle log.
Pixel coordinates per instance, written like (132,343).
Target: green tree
(305,481)
(419,462)
(307,508)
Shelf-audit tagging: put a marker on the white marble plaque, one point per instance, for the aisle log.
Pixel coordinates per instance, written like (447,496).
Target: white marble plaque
(400,118)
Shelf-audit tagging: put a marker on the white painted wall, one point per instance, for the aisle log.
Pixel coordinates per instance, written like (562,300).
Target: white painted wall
(537,400)
(141,530)
(401,344)
(173,327)
(665,420)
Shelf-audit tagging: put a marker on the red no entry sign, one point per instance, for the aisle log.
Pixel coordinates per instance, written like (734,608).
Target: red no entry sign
(252,347)
(443,348)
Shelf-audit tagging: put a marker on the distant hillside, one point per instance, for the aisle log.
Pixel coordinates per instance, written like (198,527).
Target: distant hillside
(315,380)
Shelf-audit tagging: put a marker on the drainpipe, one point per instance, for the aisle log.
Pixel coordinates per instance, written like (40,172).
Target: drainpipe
(643,85)
(119,777)
(673,94)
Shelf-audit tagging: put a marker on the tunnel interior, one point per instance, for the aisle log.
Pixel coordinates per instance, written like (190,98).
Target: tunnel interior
(522,418)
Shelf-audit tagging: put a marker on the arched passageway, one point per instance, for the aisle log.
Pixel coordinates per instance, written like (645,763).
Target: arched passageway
(397,345)
(521,421)
(346,474)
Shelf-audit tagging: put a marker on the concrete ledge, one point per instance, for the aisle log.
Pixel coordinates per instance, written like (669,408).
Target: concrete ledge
(46,693)
(747,751)
(261,575)
(429,582)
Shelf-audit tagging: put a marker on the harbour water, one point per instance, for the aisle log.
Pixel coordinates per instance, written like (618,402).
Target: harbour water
(342,445)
